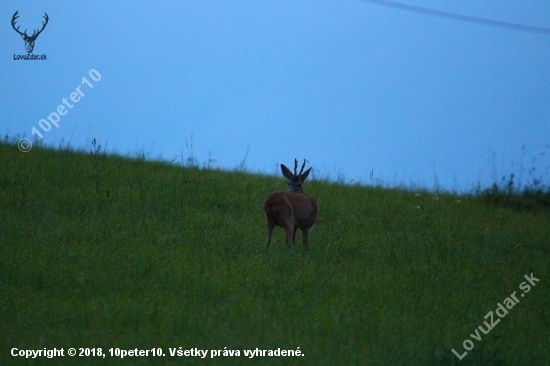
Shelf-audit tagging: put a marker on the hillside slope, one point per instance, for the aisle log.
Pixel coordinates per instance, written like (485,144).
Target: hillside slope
(109,252)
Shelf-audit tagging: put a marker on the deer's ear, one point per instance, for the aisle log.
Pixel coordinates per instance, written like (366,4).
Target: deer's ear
(286,172)
(304,175)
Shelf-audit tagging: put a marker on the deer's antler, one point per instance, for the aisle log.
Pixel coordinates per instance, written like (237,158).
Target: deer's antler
(303,165)
(34,35)
(36,31)
(13,19)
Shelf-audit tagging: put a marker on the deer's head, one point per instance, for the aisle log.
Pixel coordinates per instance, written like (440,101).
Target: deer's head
(29,40)
(296,180)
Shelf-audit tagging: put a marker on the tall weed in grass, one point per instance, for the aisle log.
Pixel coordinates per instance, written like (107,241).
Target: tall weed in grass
(175,256)
(512,192)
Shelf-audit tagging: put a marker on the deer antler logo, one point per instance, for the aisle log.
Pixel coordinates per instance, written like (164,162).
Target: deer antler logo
(29,40)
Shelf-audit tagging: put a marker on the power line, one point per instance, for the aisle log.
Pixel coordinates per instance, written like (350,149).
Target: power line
(464,18)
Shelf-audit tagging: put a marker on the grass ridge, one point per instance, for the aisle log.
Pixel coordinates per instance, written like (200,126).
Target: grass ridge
(106,251)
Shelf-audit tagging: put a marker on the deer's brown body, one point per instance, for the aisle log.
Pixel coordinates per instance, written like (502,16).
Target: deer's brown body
(291,210)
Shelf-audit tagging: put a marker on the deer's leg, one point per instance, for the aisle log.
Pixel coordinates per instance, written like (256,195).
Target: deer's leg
(270,224)
(305,234)
(288,225)
(294,235)
(269,228)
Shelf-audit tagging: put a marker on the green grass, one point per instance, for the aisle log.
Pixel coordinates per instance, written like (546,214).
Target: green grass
(536,196)
(104,251)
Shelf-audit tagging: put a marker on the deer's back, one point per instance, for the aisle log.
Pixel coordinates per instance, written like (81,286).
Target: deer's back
(300,207)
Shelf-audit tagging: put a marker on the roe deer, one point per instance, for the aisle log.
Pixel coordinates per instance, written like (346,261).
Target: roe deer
(291,210)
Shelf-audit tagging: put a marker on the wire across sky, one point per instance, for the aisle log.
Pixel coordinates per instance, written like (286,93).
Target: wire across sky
(463,18)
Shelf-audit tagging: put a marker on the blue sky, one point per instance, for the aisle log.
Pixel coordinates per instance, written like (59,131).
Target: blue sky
(364,92)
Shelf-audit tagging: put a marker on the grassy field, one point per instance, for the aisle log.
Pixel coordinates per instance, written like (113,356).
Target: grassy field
(106,252)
